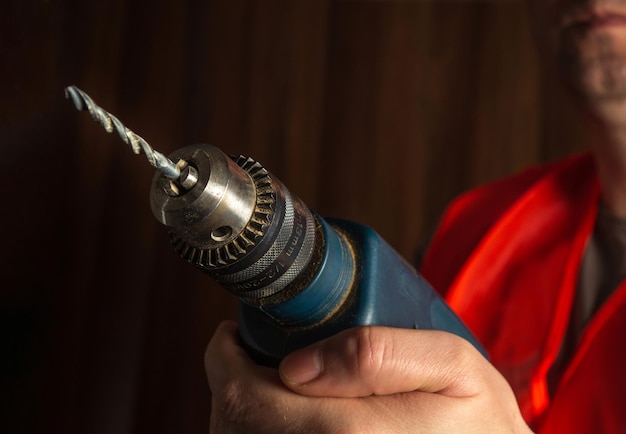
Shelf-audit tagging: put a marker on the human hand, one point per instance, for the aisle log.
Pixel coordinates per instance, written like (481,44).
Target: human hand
(365,379)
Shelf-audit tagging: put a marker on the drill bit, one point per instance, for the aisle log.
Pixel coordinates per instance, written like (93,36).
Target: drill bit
(82,101)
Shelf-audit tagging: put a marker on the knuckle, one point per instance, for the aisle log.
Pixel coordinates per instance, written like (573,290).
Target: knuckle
(459,350)
(371,349)
(468,364)
(233,403)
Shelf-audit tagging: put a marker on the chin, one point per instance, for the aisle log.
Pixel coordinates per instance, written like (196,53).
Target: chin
(599,83)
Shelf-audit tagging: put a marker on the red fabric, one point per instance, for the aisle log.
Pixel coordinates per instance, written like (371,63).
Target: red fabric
(507,256)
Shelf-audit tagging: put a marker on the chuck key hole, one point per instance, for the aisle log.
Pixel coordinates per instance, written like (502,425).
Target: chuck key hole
(222,233)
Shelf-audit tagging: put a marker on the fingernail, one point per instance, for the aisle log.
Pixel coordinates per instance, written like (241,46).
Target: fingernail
(303,366)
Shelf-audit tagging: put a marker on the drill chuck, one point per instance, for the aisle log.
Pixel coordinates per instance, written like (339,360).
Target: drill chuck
(238,224)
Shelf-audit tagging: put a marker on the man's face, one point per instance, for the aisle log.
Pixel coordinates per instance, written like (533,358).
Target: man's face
(587,40)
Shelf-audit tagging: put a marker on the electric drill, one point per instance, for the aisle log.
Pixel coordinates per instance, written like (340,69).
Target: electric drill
(299,277)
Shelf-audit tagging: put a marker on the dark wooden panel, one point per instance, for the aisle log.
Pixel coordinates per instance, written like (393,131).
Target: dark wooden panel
(375,111)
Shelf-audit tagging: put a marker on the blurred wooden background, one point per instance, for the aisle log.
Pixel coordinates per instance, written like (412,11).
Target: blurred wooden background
(376,111)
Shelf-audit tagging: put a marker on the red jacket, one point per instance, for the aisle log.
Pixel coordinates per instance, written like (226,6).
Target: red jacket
(507,256)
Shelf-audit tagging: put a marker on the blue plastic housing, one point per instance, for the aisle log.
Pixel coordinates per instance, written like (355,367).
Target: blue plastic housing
(362,280)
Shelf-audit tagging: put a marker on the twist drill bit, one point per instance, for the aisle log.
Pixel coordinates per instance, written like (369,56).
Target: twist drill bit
(82,102)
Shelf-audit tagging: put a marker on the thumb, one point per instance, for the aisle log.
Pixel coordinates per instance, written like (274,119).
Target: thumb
(366,361)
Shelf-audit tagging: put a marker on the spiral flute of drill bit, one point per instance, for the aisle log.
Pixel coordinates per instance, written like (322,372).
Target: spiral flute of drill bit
(82,101)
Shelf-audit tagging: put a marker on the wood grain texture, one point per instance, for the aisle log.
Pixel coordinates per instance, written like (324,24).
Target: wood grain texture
(376,111)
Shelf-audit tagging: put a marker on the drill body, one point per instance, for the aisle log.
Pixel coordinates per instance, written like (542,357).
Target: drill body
(299,277)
